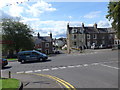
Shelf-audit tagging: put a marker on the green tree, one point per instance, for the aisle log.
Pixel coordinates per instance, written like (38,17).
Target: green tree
(16,35)
(114,15)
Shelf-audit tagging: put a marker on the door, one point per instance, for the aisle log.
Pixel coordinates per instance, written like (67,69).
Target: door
(34,56)
(27,56)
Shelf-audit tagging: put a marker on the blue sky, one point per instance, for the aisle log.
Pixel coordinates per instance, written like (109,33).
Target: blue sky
(46,17)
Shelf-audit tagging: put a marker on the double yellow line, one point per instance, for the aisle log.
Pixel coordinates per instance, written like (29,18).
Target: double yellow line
(64,83)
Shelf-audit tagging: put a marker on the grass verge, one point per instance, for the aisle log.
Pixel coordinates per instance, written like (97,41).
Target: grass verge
(12,59)
(10,83)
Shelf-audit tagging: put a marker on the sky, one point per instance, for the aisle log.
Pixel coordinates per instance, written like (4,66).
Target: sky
(45,17)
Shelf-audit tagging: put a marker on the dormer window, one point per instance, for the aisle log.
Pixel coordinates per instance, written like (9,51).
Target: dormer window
(94,36)
(74,30)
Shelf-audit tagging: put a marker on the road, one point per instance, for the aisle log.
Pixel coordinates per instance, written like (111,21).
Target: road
(98,69)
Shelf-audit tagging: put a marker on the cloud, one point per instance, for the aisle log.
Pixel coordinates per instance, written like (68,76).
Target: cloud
(39,8)
(4,15)
(58,28)
(34,9)
(16,10)
(92,14)
(70,17)
(104,24)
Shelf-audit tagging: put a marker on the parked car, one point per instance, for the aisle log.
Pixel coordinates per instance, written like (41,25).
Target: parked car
(3,62)
(94,47)
(56,52)
(115,47)
(32,55)
(102,46)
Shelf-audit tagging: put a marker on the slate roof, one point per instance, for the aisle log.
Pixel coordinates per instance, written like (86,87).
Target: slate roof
(89,30)
(42,39)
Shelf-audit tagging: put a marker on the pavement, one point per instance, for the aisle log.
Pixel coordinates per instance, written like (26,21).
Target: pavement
(34,81)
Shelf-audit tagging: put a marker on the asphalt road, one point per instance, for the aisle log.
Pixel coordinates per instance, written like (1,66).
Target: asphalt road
(91,70)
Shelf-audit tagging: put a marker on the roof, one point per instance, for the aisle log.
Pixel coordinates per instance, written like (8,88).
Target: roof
(89,30)
(42,39)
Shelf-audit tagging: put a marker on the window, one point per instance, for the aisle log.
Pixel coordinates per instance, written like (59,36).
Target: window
(34,53)
(75,36)
(74,30)
(47,51)
(46,44)
(75,43)
(103,42)
(88,36)
(94,36)
(27,54)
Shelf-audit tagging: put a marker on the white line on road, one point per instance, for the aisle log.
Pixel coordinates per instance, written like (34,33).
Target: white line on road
(20,72)
(37,71)
(78,66)
(85,65)
(54,68)
(109,66)
(45,69)
(94,63)
(28,71)
(62,67)
(73,66)
(70,66)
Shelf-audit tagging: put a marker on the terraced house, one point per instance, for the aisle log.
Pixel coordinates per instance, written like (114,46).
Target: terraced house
(86,36)
(44,43)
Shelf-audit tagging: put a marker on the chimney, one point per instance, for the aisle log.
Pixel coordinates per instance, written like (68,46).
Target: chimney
(38,35)
(68,25)
(82,25)
(50,35)
(95,26)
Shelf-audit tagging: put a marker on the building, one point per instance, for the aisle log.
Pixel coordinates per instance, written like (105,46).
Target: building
(85,36)
(44,44)
(60,42)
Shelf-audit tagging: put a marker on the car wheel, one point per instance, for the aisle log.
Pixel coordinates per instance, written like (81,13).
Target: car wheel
(22,61)
(40,59)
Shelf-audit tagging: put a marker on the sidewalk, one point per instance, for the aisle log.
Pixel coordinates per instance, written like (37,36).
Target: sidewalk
(34,81)
(87,51)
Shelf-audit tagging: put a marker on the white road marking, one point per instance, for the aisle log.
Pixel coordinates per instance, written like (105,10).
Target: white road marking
(70,66)
(54,68)
(94,63)
(109,66)
(45,69)
(28,71)
(82,65)
(37,71)
(62,67)
(85,65)
(20,72)
(78,66)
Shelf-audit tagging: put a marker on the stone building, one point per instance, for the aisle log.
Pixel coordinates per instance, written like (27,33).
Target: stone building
(44,44)
(86,36)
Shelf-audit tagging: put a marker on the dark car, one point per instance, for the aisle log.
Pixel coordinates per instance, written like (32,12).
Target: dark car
(32,55)
(4,62)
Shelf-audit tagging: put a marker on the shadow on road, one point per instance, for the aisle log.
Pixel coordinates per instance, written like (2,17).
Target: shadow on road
(6,67)
(30,62)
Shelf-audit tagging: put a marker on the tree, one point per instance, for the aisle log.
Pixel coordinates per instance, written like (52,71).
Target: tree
(114,15)
(16,35)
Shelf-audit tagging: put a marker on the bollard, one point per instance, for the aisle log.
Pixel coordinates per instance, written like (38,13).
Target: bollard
(9,74)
